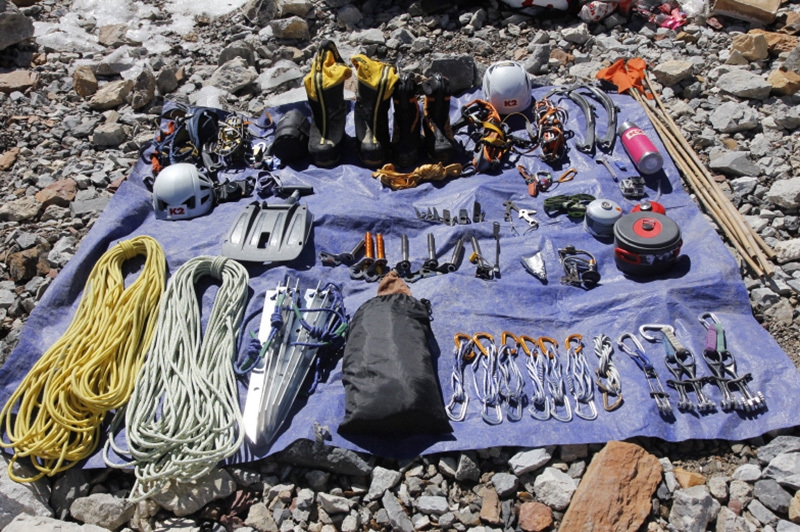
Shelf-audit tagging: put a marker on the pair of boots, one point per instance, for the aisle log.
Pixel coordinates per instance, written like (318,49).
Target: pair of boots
(377,83)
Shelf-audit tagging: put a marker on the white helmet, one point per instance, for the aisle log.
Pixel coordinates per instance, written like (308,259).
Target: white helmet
(181,192)
(507,87)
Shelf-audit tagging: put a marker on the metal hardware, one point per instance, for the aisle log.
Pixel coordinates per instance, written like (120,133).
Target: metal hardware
(602,160)
(640,358)
(346,258)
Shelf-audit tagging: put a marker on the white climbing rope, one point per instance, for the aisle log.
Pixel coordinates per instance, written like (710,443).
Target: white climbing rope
(183,416)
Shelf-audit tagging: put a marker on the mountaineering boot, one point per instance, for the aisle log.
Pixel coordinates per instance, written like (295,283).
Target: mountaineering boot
(439,142)
(405,133)
(376,81)
(325,89)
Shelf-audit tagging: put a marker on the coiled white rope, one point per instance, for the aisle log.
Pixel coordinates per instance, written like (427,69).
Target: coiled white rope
(183,416)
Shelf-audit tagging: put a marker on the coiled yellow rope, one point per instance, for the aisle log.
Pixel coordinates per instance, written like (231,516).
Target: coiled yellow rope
(183,416)
(92,368)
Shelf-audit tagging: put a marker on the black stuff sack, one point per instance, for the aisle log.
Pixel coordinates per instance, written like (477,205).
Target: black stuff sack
(389,381)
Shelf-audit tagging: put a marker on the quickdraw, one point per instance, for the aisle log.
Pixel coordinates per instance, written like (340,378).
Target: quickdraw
(510,381)
(555,381)
(681,363)
(579,380)
(550,120)
(607,378)
(638,355)
(487,392)
(722,364)
(462,356)
(537,368)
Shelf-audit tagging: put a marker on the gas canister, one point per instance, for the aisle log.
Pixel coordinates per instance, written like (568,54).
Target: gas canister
(646,243)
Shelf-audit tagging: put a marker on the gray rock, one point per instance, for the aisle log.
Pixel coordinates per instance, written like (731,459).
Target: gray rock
(744,84)
(102,509)
(238,48)
(743,186)
(284,74)
(111,95)
(539,59)
(554,488)
(19,210)
(290,28)
(608,43)
(7,298)
(144,89)
(22,498)
(294,7)
(369,36)
(186,499)
(351,523)
(68,487)
(467,469)
(578,34)
(731,117)
(306,453)
(27,523)
(671,73)
(747,473)
(26,240)
(79,207)
(764,298)
(260,518)
(585,71)
(432,505)
(718,487)
(348,16)
(531,460)
(382,480)
(786,526)
(333,504)
(396,514)
(233,75)
(781,444)
(570,453)
(109,135)
(727,521)
(785,193)
(115,63)
(772,495)
(459,69)
(14,28)
(447,466)
(792,481)
(209,96)
(735,163)
(762,514)
(166,80)
(783,465)
(692,509)
(318,480)
(505,484)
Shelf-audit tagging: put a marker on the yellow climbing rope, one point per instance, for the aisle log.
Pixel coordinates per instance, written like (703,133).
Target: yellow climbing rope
(92,368)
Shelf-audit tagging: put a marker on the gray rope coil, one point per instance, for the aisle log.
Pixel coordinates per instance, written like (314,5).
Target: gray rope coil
(183,416)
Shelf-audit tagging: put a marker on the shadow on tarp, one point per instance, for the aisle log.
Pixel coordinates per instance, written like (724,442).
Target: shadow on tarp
(349,201)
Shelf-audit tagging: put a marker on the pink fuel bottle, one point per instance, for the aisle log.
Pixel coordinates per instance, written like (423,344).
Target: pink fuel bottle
(640,149)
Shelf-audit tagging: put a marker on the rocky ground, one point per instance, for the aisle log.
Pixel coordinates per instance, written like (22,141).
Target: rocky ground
(79,99)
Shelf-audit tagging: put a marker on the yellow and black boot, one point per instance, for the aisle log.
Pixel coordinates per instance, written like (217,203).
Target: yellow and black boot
(325,90)
(376,82)
(439,141)
(405,131)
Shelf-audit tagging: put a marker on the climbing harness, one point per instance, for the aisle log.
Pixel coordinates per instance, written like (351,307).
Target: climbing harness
(463,355)
(183,416)
(510,381)
(607,377)
(235,139)
(641,359)
(538,368)
(555,380)
(295,325)
(580,267)
(488,391)
(722,364)
(91,369)
(579,379)
(681,363)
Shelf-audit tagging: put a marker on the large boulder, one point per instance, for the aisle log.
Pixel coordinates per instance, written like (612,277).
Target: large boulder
(14,26)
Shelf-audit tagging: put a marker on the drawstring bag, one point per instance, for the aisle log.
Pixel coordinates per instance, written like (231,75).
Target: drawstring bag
(389,381)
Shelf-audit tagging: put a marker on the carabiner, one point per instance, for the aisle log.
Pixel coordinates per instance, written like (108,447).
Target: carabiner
(522,343)
(669,329)
(476,338)
(574,338)
(546,339)
(708,318)
(504,339)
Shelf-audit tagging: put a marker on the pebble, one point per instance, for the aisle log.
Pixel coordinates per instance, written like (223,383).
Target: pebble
(98,91)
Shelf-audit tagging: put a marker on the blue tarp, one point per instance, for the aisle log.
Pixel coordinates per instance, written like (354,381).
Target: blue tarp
(349,201)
